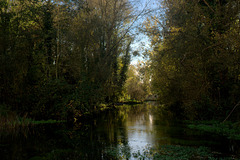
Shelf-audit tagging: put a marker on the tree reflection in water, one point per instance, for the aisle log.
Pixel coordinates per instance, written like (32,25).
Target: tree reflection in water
(128,132)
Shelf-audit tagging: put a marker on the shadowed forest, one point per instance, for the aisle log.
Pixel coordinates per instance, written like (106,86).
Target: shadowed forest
(61,58)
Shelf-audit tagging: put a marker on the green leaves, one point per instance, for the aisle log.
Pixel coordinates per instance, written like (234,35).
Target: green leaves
(51,47)
(192,57)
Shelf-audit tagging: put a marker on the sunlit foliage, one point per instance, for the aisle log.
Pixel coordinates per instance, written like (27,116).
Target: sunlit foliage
(195,56)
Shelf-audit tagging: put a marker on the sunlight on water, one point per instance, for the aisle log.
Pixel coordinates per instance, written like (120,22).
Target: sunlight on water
(128,132)
(140,132)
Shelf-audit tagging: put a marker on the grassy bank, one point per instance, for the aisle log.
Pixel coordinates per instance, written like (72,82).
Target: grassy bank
(229,129)
(16,121)
(13,121)
(10,119)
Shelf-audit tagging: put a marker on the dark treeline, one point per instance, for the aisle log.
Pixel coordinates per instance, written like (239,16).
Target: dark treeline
(195,57)
(71,56)
(62,55)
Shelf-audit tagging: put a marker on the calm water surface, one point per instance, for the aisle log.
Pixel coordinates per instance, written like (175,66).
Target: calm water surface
(123,133)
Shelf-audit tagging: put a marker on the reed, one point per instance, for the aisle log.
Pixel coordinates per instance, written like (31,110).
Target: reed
(12,120)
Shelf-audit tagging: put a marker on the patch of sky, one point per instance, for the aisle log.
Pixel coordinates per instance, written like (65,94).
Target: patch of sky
(143,10)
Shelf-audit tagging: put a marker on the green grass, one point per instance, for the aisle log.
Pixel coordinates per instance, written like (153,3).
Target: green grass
(228,129)
(47,121)
(14,122)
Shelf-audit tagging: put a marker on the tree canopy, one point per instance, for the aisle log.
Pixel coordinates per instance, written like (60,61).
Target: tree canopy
(195,56)
(63,55)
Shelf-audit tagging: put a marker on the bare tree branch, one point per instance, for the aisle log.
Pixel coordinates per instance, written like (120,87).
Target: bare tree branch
(208,5)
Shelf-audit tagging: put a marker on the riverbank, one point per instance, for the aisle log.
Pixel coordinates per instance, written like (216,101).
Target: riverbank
(228,129)
(10,119)
(11,122)
(120,132)
(105,107)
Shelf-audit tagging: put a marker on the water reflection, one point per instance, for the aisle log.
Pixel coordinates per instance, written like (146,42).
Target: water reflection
(118,134)
(140,130)
(148,126)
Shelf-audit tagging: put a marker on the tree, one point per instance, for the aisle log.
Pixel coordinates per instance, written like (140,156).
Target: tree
(135,88)
(63,55)
(97,45)
(192,58)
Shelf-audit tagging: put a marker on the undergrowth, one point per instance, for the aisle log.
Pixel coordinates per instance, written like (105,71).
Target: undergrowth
(228,129)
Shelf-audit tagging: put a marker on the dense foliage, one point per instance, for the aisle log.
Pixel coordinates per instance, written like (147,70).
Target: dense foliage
(66,57)
(63,55)
(195,56)
(135,87)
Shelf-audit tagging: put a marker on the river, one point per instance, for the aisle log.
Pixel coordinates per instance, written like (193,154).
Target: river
(142,131)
